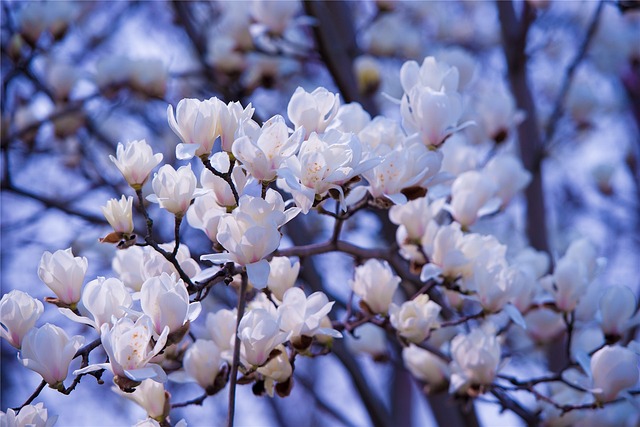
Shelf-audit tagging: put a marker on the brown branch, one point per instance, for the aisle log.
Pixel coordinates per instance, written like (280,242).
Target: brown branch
(236,353)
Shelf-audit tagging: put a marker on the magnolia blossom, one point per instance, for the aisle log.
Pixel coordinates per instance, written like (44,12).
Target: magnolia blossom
(174,189)
(263,157)
(324,162)
(415,318)
(508,174)
(282,275)
(18,314)
(29,415)
(278,369)
(205,214)
(350,118)
(201,364)
(273,16)
(408,165)
(375,283)
(102,300)
(426,366)
(259,334)
(129,347)
(48,350)
(63,274)
(251,232)
(472,196)
(415,220)
(119,214)
(151,396)
(434,115)
(443,247)
(617,307)
(221,326)
(476,358)
(219,187)
(302,316)
(567,285)
(544,324)
(196,123)
(166,301)
(313,111)
(235,121)
(433,74)
(135,162)
(614,369)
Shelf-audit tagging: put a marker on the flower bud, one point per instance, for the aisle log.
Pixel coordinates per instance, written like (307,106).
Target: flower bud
(426,366)
(202,362)
(135,162)
(614,369)
(415,318)
(476,357)
(282,275)
(29,415)
(18,314)
(174,189)
(151,396)
(63,274)
(375,283)
(617,307)
(166,301)
(119,214)
(48,350)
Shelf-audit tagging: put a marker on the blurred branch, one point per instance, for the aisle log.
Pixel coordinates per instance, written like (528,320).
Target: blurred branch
(556,115)
(514,41)
(336,39)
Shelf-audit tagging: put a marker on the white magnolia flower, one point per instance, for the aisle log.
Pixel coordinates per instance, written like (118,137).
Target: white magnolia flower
(128,264)
(235,122)
(273,16)
(434,74)
(282,275)
(219,187)
(324,162)
(263,157)
(302,316)
(102,300)
(30,415)
(259,334)
(119,214)
(544,324)
(476,358)
(135,162)
(497,112)
(166,301)
(151,396)
(617,309)
(567,285)
(416,223)
(48,350)
(410,164)
(350,118)
(221,326)
(174,189)
(154,264)
(434,115)
(313,111)
(205,214)
(443,247)
(129,347)
(613,369)
(426,366)
(278,369)
(251,232)
(510,177)
(473,194)
(19,312)
(415,318)
(201,364)
(197,124)
(63,274)
(375,283)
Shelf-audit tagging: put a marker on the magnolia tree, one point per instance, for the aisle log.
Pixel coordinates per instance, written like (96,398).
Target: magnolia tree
(322,191)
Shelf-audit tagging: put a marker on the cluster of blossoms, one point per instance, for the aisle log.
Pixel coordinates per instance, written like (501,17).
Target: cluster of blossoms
(254,180)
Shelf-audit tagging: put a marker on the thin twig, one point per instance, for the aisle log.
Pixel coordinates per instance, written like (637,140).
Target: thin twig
(236,353)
